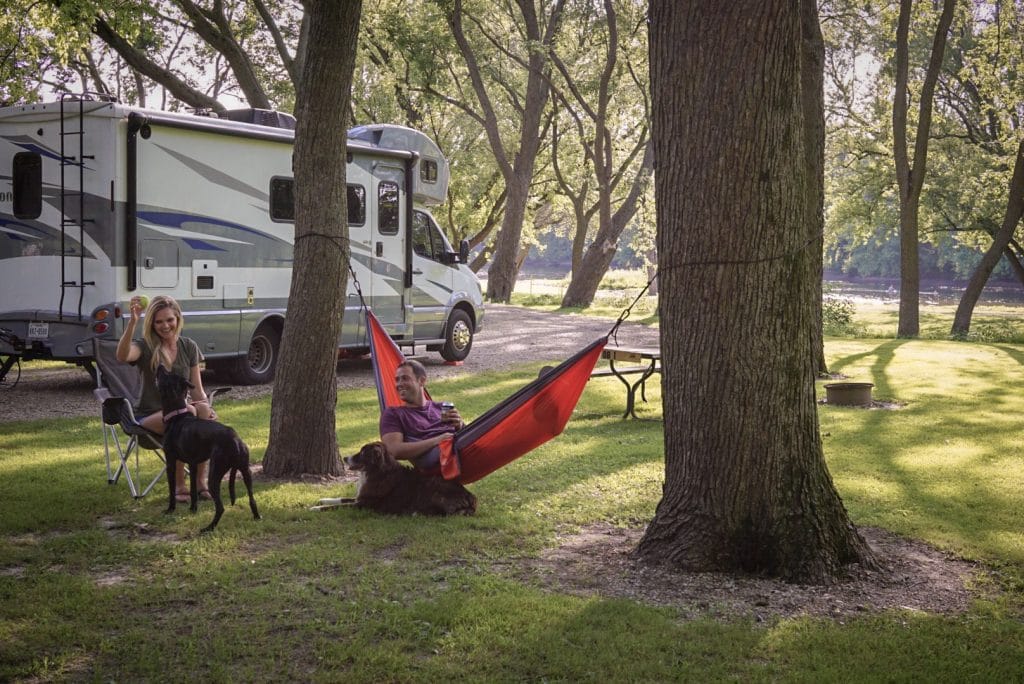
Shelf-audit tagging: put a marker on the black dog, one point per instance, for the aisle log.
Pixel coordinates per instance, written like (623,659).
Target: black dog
(386,486)
(193,440)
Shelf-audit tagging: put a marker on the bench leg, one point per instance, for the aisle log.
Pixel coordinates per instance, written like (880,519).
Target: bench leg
(631,393)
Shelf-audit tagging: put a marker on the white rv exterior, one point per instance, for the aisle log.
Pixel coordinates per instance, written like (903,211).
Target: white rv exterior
(100,201)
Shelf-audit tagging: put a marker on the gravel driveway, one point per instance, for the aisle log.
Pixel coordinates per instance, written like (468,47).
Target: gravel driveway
(511,336)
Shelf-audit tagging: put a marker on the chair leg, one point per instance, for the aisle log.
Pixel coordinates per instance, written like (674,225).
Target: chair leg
(125,467)
(156,479)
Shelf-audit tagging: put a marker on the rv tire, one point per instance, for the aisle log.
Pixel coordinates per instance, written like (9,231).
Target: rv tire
(458,336)
(258,365)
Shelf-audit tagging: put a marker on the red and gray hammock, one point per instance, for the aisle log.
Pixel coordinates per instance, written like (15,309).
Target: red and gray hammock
(520,423)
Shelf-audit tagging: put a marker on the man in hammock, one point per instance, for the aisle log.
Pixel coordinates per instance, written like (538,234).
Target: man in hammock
(414,430)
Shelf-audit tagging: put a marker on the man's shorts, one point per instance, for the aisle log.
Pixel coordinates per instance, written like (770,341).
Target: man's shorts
(428,461)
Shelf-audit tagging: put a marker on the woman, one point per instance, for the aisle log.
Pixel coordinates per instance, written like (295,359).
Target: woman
(162,344)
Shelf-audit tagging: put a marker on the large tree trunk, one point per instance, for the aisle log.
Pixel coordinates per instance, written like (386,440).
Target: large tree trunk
(746,486)
(813,91)
(302,413)
(999,246)
(910,170)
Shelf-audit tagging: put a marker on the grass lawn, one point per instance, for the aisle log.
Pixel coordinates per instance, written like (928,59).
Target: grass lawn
(96,586)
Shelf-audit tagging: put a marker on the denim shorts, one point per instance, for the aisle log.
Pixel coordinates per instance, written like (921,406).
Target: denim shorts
(431,460)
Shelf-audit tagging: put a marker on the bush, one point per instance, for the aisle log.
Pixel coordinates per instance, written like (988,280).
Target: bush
(837,316)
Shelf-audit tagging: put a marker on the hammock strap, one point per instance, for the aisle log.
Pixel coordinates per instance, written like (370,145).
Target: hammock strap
(613,333)
(359,290)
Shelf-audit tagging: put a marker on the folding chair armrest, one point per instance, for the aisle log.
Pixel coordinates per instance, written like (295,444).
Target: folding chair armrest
(118,411)
(214,392)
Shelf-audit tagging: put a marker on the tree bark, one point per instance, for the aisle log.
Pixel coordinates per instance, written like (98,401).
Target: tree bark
(999,246)
(746,485)
(302,412)
(910,171)
(813,91)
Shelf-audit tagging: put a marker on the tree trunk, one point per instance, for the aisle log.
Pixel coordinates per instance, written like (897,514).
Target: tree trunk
(598,258)
(813,91)
(1000,243)
(910,170)
(652,272)
(517,170)
(746,486)
(501,276)
(302,413)
(1012,255)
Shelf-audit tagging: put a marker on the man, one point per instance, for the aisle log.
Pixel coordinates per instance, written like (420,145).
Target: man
(414,430)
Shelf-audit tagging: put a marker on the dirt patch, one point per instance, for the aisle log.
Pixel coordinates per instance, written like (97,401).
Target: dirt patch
(598,561)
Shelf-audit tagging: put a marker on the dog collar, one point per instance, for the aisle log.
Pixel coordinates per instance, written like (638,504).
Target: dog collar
(172,414)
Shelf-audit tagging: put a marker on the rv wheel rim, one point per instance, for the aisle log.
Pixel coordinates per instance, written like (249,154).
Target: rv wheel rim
(461,335)
(259,354)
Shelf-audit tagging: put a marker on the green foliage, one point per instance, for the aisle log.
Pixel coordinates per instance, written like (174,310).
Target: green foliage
(837,316)
(973,138)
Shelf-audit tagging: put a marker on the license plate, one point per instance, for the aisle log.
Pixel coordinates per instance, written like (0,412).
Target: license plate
(38,330)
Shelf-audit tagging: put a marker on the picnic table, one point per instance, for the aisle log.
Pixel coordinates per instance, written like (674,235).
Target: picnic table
(644,361)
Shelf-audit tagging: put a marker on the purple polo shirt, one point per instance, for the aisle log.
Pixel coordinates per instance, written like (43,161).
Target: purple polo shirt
(415,423)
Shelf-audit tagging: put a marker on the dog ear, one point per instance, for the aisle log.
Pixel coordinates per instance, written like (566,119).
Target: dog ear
(379,453)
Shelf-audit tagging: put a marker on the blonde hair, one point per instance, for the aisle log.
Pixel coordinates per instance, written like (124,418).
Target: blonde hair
(159,303)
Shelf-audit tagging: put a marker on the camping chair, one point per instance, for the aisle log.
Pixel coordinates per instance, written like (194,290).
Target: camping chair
(118,386)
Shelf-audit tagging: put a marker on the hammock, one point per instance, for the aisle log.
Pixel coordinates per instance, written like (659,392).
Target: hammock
(520,423)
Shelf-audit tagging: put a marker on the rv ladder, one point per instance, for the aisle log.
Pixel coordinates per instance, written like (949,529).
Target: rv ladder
(68,197)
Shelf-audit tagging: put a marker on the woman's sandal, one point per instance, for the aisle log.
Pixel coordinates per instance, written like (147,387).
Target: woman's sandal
(182,496)
(205,494)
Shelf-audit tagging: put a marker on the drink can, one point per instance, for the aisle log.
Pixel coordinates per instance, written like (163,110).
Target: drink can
(447,406)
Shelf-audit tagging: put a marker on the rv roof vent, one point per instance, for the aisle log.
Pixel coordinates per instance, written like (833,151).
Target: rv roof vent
(262,117)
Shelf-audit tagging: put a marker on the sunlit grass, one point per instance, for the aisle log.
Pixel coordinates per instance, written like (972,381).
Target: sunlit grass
(96,586)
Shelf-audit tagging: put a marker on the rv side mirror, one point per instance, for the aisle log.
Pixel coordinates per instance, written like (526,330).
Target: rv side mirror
(464,252)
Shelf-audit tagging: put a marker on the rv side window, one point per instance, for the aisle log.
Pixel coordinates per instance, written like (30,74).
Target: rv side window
(421,236)
(28,185)
(427,240)
(282,199)
(428,170)
(387,208)
(356,205)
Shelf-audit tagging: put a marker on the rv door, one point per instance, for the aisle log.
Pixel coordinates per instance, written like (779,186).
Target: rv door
(433,273)
(387,287)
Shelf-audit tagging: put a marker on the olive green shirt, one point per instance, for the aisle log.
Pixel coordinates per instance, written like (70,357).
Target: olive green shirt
(188,356)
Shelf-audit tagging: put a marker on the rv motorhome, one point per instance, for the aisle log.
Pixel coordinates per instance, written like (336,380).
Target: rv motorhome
(100,201)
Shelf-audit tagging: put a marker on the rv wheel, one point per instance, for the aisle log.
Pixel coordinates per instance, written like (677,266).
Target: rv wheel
(257,367)
(458,336)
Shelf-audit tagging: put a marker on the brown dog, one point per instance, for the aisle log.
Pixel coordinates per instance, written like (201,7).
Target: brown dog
(386,486)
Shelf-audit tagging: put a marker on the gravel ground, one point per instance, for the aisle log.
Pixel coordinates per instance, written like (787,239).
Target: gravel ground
(510,336)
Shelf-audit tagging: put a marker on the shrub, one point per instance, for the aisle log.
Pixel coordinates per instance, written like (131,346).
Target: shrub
(837,316)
